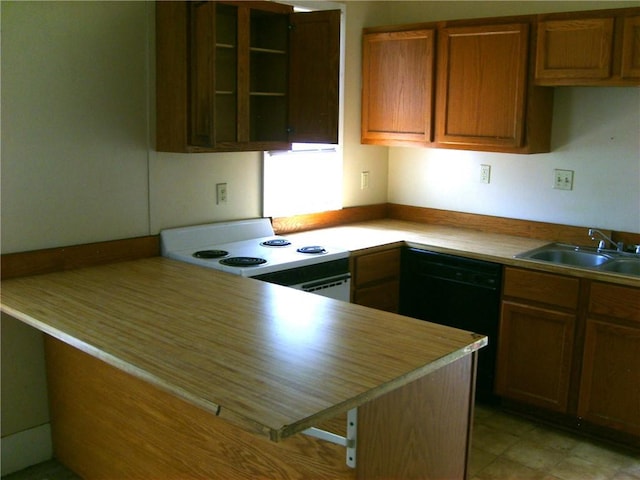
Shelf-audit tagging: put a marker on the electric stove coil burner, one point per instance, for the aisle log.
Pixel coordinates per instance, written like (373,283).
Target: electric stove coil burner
(276,242)
(313,249)
(242,261)
(211,254)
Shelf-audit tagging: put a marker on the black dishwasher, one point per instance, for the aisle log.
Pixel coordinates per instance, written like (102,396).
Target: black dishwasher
(459,292)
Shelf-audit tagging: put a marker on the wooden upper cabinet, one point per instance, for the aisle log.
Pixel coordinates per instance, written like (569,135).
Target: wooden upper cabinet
(630,68)
(235,76)
(589,48)
(397,87)
(575,48)
(482,91)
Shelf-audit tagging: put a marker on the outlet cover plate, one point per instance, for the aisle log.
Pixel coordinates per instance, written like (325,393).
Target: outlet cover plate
(221,193)
(485,173)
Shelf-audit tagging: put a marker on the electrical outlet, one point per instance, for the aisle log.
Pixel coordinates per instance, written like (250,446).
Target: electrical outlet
(563,179)
(485,173)
(221,193)
(364,180)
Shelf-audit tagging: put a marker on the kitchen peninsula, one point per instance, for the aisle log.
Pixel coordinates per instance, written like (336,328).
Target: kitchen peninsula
(160,369)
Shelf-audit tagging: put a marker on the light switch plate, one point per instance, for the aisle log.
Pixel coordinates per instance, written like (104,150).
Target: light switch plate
(563,179)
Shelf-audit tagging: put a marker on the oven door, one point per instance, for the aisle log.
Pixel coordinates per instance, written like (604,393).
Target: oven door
(338,287)
(330,279)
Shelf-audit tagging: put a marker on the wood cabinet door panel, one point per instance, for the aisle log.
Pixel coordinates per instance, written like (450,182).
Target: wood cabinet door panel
(534,355)
(376,280)
(610,384)
(384,296)
(482,81)
(579,48)
(631,48)
(314,77)
(397,86)
(377,266)
(202,41)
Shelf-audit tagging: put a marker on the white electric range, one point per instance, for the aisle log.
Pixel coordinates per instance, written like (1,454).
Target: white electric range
(250,248)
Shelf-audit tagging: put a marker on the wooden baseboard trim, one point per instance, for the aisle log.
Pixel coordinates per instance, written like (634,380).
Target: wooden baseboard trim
(484,223)
(501,225)
(301,223)
(65,258)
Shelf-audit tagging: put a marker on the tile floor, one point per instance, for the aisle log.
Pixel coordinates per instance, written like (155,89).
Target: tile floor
(505,447)
(508,447)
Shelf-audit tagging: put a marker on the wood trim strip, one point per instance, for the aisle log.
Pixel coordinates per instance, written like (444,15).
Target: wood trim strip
(65,258)
(552,232)
(300,223)
(501,225)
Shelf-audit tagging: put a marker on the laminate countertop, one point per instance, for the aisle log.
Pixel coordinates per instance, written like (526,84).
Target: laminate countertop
(268,358)
(364,236)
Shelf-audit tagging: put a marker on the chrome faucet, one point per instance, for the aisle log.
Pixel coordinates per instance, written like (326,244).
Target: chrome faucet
(604,239)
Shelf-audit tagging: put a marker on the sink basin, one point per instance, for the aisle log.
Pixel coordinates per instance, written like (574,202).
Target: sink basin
(628,266)
(584,257)
(566,255)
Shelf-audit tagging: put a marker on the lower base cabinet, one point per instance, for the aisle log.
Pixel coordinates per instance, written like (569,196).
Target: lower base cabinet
(376,279)
(571,347)
(610,381)
(536,339)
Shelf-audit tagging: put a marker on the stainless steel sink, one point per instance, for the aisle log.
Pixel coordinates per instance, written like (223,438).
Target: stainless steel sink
(566,255)
(585,257)
(628,266)
(571,257)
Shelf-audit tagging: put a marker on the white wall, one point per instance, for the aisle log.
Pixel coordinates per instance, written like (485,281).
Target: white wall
(595,133)
(360,158)
(74,122)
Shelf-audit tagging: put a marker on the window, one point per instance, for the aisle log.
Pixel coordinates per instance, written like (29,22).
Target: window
(307,178)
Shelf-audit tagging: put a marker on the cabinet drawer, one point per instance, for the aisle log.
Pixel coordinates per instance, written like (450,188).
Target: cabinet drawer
(615,301)
(541,287)
(378,266)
